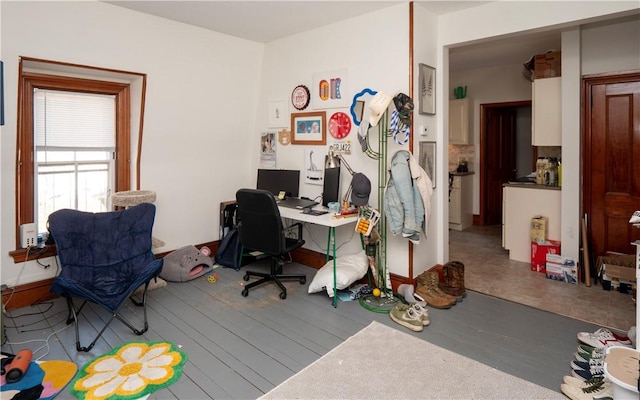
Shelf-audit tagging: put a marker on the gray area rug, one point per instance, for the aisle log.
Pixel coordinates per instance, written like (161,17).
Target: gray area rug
(380,362)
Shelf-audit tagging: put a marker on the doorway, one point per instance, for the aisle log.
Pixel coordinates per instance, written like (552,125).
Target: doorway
(505,153)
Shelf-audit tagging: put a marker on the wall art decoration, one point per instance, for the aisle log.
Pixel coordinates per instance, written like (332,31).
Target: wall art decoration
(309,128)
(330,90)
(278,114)
(284,136)
(358,105)
(314,166)
(427,87)
(427,160)
(267,149)
(300,97)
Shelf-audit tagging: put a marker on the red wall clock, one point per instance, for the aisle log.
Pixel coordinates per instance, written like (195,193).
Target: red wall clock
(339,125)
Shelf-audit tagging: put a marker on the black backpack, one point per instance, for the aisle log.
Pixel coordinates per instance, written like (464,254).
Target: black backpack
(228,254)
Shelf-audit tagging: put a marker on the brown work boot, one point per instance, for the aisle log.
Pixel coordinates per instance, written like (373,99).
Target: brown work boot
(453,283)
(434,279)
(427,289)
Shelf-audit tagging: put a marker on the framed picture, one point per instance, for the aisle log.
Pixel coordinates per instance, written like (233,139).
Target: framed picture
(427,160)
(427,85)
(309,128)
(278,114)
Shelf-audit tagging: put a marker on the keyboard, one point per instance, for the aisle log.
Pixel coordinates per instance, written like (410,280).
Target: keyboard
(294,202)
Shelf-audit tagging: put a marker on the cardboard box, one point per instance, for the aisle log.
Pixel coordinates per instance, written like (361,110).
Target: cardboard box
(548,65)
(539,253)
(539,228)
(617,285)
(561,268)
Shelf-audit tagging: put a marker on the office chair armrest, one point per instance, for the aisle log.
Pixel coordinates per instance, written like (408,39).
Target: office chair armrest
(297,225)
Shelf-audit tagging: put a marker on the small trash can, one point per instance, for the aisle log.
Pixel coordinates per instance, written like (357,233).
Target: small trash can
(622,368)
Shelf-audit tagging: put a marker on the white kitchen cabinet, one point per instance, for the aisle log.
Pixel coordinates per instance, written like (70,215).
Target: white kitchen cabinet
(546,104)
(459,122)
(520,204)
(461,203)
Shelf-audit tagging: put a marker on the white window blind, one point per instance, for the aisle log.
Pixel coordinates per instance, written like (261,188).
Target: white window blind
(67,120)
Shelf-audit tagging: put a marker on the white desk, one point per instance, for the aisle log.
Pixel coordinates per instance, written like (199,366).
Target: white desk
(324,220)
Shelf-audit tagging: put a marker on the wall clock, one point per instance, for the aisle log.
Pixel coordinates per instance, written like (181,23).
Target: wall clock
(339,125)
(300,97)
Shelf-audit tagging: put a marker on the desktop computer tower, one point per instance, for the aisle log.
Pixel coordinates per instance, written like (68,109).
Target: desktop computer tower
(331,186)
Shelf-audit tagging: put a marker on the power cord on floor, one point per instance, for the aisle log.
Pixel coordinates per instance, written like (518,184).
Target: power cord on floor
(45,345)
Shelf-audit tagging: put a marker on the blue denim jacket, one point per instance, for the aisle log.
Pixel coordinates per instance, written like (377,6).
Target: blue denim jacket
(404,205)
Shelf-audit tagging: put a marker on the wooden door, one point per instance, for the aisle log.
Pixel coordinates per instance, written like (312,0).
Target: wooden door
(611,159)
(499,160)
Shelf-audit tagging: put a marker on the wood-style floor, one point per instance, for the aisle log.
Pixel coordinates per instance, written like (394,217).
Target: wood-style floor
(489,271)
(241,347)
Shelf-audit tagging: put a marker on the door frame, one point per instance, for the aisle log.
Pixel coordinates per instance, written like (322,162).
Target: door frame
(588,81)
(482,219)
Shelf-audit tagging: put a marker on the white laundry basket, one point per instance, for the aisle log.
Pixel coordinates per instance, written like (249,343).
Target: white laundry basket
(622,368)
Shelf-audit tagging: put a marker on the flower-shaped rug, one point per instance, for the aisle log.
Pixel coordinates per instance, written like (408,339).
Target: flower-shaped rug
(131,371)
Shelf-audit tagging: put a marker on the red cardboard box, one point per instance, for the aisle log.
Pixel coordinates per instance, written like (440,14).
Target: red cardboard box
(539,253)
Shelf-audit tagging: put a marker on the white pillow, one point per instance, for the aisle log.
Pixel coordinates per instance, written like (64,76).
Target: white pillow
(349,268)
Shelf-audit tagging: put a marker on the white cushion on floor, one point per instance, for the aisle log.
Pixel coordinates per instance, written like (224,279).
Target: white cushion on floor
(349,268)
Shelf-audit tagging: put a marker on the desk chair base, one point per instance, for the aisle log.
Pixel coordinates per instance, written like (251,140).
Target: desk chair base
(275,276)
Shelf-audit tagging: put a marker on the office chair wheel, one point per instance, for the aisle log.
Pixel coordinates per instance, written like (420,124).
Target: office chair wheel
(245,292)
(283,295)
(303,281)
(246,277)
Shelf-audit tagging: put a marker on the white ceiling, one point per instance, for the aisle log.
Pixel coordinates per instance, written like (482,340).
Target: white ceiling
(265,21)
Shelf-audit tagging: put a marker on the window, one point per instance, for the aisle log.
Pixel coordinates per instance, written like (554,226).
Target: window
(74,141)
(74,145)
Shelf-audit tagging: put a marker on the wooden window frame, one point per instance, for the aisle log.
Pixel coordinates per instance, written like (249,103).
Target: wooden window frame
(25,155)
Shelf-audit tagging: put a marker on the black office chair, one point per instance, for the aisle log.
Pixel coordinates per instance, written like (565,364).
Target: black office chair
(261,229)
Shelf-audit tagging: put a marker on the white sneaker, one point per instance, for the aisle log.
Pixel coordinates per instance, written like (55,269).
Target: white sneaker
(579,383)
(603,338)
(597,391)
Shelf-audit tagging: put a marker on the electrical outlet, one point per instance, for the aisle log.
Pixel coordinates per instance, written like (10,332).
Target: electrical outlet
(28,235)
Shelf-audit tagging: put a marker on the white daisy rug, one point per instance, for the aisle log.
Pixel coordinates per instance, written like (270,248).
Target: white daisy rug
(131,371)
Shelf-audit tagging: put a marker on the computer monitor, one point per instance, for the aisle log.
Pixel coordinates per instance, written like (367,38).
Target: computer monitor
(331,186)
(278,180)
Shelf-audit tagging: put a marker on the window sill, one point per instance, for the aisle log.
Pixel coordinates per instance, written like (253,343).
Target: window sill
(23,255)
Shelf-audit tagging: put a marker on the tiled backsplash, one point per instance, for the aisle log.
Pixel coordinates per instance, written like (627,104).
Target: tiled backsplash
(459,153)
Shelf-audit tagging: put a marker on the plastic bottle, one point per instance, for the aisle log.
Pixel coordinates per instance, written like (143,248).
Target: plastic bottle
(560,172)
(552,172)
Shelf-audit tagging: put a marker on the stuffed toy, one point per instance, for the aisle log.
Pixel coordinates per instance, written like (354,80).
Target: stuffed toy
(186,263)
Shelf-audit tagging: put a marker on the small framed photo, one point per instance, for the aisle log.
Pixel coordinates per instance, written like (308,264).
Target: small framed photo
(427,160)
(427,82)
(278,114)
(309,128)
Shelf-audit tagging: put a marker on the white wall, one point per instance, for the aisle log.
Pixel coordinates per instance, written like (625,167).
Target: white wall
(425,51)
(374,58)
(200,109)
(488,85)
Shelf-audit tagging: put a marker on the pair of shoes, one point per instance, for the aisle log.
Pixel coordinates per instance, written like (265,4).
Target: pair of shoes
(596,388)
(586,371)
(407,316)
(428,290)
(594,363)
(595,353)
(453,280)
(603,338)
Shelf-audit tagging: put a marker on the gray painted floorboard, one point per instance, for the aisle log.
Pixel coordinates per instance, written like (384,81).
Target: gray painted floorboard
(241,347)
